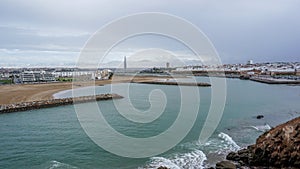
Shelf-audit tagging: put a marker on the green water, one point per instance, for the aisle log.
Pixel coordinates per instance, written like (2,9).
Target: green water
(53,138)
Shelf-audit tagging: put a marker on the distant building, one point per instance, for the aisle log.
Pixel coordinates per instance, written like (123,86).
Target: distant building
(36,76)
(167,65)
(103,74)
(297,72)
(249,62)
(27,76)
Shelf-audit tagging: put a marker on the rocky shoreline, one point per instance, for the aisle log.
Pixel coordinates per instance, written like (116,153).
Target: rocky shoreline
(24,106)
(276,148)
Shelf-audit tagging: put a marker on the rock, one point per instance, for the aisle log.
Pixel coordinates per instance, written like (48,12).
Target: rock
(163,167)
(225,165)
(260,116)
(233,156)
(277,148)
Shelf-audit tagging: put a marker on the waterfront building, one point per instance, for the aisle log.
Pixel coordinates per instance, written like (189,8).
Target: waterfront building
(36,76)
(27,77)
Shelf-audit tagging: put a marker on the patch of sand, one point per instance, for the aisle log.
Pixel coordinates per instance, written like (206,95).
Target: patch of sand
(32,92)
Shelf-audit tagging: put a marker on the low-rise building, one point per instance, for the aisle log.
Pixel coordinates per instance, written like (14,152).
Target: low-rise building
(36,76)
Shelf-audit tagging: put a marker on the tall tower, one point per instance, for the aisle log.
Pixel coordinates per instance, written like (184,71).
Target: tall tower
(125,64)
(167,65)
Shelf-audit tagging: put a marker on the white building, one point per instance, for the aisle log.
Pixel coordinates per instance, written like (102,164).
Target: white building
(249,62)
(36,76)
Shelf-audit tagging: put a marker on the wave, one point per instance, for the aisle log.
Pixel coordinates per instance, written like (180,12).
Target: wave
(262,128)
(229,141)
(59,165)
(196,158)
(191,160)
(221,145)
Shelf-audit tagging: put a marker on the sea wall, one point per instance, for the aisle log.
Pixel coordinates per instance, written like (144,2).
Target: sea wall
(175,83)
(276,148)
(274,81)
(24,106)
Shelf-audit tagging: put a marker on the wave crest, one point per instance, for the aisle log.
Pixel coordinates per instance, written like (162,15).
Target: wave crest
(59,165)
(190,160)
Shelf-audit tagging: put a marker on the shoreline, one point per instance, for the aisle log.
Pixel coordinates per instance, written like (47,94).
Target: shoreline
(17,93)
(12,94)
(276,148)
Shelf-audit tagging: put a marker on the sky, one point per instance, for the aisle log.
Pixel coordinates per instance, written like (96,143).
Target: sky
(52,32)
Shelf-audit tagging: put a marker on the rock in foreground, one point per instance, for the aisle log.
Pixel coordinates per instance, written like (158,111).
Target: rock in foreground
(225,165)
(279,147)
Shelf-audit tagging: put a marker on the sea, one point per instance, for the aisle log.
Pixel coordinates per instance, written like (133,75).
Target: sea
(52,138)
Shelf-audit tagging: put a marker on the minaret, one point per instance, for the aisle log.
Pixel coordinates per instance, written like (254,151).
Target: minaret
(125,64)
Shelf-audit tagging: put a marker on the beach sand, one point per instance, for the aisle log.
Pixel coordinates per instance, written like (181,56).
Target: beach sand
(10,94)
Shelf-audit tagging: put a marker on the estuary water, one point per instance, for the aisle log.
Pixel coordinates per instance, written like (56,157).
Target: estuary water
(52,138)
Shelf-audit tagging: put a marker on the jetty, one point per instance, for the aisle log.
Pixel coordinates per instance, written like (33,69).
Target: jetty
(174,83)
(24,106)
(275,81)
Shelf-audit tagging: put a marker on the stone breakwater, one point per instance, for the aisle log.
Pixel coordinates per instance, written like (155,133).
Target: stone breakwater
(276,148)
(24,106)
(175,83)
(275,81)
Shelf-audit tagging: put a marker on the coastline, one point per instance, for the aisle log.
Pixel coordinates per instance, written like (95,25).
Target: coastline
(276,148)
(11,94)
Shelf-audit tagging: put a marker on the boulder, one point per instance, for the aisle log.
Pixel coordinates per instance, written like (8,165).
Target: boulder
(162,167)
(260,116)
(225,165)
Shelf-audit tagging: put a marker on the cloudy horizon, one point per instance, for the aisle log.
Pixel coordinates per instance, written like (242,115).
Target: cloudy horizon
(52,33)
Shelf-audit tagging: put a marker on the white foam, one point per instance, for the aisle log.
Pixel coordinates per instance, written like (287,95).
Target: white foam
(58,165)
(161,161)
(229,141)
(190,160)
(262,128)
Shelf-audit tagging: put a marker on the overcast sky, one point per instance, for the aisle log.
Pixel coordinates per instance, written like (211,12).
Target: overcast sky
(52,32)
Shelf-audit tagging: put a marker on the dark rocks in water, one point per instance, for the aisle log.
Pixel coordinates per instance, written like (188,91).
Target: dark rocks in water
(277,148)
(225,165)
(163,167)
(260,116)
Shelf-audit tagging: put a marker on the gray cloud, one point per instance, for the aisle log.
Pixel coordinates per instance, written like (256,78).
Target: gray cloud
(240,30)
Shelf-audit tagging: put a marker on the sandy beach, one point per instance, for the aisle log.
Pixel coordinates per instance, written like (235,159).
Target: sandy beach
(33,92)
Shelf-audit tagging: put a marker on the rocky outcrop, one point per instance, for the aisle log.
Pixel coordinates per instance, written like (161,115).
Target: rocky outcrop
(260,116)
(24,106)
(225,165)
(278,147)
(162,167)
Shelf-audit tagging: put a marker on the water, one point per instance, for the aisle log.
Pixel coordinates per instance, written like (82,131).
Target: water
(52,138)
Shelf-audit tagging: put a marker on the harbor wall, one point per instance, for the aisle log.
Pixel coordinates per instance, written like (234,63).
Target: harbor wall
(24,106)
(175,83)
(271,81)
